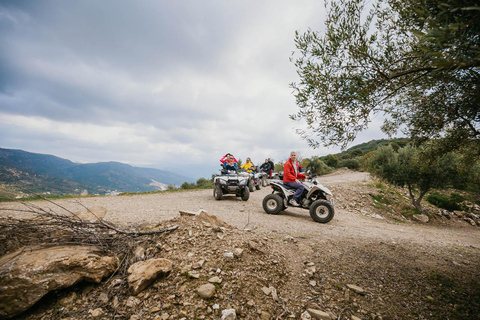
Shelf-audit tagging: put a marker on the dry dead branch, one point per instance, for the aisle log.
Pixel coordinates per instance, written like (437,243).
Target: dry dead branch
(47,227)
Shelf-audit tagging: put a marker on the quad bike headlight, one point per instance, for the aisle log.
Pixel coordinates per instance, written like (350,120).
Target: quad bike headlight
(222,182)
(330,198)
(243,182)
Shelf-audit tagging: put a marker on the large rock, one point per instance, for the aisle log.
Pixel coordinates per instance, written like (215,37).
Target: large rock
(423,218)
(229,314)
(29,273)
(206,291)
(143,273)
(209,218)
(318,314)
(356,289)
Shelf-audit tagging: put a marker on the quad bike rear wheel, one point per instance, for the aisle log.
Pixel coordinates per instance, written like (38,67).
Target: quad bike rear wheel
(321,211)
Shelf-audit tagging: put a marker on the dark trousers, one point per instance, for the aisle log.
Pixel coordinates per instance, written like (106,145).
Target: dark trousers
(298,189)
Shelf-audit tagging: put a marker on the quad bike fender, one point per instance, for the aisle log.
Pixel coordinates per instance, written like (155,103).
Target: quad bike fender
(313,190)
(323,190)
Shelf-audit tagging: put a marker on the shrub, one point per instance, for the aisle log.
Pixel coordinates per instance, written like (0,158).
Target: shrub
(356,153)
(353,164)
(187,185)
(469,177)
(278,166)
(317,166)
(445,202)
(202,183)
(395,146)
(330,160)
(365,158)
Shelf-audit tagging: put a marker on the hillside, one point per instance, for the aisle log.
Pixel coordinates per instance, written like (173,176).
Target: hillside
(373,145)
(42,173)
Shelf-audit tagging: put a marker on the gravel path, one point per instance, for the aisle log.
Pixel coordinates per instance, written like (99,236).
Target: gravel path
(347,225)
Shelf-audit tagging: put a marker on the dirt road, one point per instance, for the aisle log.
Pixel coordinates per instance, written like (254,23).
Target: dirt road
(347,187)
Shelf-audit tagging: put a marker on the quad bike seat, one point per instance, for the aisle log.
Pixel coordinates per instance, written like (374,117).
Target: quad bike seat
(287,187)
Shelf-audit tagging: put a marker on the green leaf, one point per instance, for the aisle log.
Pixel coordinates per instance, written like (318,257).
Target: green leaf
(470,8)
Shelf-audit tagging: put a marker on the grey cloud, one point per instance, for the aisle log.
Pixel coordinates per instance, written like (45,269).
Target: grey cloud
(141,41)
(196,78)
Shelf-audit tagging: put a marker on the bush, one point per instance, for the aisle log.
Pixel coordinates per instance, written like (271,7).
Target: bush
(445,202)
(365,159)
(187,185)
(468,178)
(203,183)
(356,153)
(395,146)
(278,166)
(353,164)
(457,197)
(330,160)
(317,166)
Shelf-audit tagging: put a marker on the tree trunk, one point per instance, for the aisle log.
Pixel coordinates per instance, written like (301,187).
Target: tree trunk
(415,202)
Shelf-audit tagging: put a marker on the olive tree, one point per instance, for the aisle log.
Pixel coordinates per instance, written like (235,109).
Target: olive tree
(417,62)
(317,166)
(330,160)
(414,168)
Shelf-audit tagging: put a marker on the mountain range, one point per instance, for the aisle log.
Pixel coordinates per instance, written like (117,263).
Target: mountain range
(41,173)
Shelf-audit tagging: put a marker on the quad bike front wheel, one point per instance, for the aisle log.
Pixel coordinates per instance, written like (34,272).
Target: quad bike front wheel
(264,182)
(322,211)
(245,194)
(258,185)
(251,185)
(217,192)
(272,204)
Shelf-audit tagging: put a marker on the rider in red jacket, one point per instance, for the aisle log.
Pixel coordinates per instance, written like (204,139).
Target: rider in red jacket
(291,176)
(229,162)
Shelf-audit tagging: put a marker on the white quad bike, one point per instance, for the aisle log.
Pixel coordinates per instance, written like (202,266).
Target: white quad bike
(316,198)
(259,181)
(231,182)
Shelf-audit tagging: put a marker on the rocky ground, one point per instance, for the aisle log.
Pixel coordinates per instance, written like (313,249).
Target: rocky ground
(370,262)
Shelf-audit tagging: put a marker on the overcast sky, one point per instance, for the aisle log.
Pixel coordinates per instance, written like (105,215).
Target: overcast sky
(172,85)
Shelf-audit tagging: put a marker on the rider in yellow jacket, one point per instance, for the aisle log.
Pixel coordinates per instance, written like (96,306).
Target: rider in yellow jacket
(249,167)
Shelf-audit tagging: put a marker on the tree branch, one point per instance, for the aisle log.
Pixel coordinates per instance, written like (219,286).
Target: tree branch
(403,86)
(407,72)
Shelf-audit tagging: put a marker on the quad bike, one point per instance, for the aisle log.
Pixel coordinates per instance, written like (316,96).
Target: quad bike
(316,198)
(257,180)
(231,182)
(277,175)
(261,179)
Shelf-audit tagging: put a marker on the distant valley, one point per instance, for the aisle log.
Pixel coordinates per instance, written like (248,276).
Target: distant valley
(47,174)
